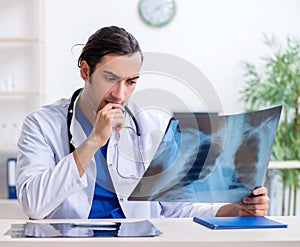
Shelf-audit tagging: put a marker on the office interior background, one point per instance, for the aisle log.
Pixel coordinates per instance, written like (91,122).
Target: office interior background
(39,61)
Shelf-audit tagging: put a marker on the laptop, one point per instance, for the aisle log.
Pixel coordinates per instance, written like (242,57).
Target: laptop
(210,158)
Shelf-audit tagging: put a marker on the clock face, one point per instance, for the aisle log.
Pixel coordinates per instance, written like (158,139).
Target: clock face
(157,13)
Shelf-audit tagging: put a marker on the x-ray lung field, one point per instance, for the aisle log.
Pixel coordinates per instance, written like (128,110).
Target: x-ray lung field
(210,158)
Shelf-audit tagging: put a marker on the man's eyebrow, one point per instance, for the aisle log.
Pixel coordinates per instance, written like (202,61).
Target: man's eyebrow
(133,78)
(118,77)
(111,74)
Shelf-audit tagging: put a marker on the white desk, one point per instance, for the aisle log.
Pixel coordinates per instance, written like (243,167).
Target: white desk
(10,209)
(176,232)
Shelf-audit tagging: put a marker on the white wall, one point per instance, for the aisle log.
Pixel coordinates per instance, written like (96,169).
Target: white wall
(213,35)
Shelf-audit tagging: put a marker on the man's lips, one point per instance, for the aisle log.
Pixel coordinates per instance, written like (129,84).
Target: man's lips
(105,102)
(113,102)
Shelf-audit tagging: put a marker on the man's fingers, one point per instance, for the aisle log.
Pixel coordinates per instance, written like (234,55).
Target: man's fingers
(112,116)
(256,212)
(256,200)
(254,206)
(254,209)
(110,106)
(260,191)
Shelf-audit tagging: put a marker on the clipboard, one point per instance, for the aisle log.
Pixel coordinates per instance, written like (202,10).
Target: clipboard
(243,222)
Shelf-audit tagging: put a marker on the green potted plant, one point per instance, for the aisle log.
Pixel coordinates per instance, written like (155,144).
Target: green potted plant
(277,82)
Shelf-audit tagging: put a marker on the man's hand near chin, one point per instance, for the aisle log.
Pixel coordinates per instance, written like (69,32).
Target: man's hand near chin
(256,205)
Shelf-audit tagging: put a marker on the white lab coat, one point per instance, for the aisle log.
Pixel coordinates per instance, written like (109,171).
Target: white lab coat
(48,183)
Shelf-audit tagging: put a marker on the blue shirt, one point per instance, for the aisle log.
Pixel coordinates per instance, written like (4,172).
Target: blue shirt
(105,202)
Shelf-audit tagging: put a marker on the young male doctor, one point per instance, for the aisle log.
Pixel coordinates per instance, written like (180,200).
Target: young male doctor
(70,162)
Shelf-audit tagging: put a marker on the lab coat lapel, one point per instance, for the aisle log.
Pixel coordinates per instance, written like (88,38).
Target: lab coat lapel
(78,137)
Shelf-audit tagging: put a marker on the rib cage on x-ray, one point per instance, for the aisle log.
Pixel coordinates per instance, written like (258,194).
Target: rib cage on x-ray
(214,158)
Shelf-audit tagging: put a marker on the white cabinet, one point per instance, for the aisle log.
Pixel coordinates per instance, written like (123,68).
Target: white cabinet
(21,71)
(21,65)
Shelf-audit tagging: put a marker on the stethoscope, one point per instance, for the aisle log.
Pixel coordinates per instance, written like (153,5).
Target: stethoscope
(137,132)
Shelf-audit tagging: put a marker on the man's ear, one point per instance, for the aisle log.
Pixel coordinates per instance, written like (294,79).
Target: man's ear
(84,70)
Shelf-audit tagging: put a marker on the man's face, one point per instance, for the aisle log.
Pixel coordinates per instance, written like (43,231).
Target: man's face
(113,80)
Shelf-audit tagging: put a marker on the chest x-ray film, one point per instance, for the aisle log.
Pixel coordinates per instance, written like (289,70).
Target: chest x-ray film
(210,158)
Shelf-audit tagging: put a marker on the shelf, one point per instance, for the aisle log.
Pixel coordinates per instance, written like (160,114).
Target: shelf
(8,149)
(293,164)
(18,94)
(20,40)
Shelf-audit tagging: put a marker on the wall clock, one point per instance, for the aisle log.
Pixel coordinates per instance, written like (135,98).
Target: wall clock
(157,13)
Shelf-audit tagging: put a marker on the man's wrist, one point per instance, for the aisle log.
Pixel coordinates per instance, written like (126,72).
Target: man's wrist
(92,143)
(78,163)
(84,154)
(228,210)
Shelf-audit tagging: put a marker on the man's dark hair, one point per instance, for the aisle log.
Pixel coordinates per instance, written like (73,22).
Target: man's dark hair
(108,40)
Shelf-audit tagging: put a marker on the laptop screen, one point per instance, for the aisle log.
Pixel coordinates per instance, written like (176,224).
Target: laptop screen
(210,158)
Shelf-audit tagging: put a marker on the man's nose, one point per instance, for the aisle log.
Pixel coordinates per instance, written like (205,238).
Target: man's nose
(118,91)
